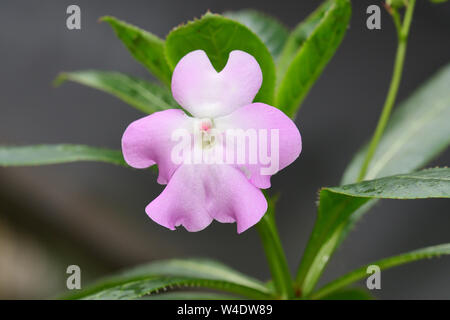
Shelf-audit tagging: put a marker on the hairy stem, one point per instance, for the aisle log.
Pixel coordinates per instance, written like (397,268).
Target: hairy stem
(402,33)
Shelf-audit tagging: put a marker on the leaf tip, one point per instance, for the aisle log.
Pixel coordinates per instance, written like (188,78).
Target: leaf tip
(59,79)
(105,19)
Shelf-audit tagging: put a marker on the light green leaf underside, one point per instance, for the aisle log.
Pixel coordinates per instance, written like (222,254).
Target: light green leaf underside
(418,131)
(145,47)
(361,273)
(143,95)
(53,154)
(218,36)
(336,205)
(268,29)
(175,273)
(307,51)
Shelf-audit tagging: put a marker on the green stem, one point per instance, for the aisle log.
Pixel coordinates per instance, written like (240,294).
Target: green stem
(402,32)
(276,257)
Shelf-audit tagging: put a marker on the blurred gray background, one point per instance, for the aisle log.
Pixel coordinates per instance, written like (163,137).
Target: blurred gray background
(93,215)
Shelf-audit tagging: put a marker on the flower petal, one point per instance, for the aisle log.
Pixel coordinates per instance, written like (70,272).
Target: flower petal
(259,116)
(218,192)
(205,93)
(148,141)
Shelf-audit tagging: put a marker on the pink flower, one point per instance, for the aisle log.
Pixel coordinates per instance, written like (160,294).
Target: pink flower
(198,192)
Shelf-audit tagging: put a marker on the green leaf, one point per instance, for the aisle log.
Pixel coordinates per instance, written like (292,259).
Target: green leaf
(150,286)
(218,36)
(60,153)
(361,273)
(417,132)
(145,47)
(144,96)
(428,183)
(348,294)
(183,295)
(337,204)
(268,29)
(162,275)
(308,50)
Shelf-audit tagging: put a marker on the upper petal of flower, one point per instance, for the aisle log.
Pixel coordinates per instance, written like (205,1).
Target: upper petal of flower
(218,192)
(206,93)
(258,116)
(148,141)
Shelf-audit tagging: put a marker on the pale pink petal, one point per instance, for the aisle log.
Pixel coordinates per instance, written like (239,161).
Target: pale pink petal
(258,116)
(196,194)
(205,93)
(148,141)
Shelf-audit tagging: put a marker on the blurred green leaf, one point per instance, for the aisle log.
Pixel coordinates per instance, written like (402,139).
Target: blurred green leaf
(337,204)
(186,295)
(348,294)
(298,37)
(162,275)
(397,4)
(218,36)
(417,132)
(145,47)
(268,29)
(307,51)
(52,154)
(144,96)
(361,273)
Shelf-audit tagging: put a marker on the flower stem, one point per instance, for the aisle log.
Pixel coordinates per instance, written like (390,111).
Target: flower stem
(402,34)
(276,257)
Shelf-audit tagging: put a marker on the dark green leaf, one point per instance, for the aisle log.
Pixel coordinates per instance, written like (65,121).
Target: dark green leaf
(307,52)
(418,131)
(267,28)
(152,286)
(187,295)
(144,96)
(428,183)
(52,154)
(159,275)
(348,294)
(218,36)
(336,205)
(361,273)
(145,47)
